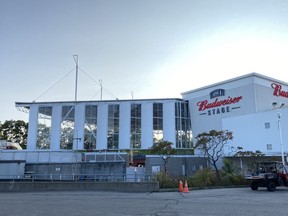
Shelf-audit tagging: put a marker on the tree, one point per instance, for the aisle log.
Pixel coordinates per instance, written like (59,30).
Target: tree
(241,153)
(164,149)
(211,144)
(14,131)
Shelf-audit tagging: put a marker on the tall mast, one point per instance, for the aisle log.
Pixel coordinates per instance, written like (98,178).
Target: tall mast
(76,80)
(101,88)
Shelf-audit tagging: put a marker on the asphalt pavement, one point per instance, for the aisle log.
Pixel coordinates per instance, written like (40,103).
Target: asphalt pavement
(214,202)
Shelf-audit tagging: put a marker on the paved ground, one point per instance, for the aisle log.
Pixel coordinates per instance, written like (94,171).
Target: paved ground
(215,202)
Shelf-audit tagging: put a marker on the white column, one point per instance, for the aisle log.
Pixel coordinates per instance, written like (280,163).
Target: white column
(33,126)
(124,125)
(169,122)
(56,127)
(102,126)
(79,119)
(146,125)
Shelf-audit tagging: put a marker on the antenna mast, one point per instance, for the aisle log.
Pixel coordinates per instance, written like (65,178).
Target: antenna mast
(76,80)
(101,88)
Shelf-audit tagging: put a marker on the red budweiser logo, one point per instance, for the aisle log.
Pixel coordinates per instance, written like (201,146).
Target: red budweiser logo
(203,105)
(278,90)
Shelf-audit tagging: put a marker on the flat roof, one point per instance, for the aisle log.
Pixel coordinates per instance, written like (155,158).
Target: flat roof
(97,101)
(235,79)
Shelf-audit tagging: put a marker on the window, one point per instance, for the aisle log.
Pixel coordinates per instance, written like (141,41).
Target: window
(269,147)
(67,127)
(157,122)
(90,127)
(44,128)
(183,126)
(267,125)
(113,127)
(135,130)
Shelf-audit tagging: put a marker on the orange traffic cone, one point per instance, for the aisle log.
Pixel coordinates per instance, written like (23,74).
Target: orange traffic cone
(180,186)
(186,190)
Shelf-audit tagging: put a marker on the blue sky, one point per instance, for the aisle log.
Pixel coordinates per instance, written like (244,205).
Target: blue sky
(148,49)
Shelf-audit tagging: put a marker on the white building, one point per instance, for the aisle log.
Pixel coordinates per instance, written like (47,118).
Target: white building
(112,125)
(242,105)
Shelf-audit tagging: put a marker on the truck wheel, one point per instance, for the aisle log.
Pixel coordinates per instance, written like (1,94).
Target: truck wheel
(271,186)
(254,185)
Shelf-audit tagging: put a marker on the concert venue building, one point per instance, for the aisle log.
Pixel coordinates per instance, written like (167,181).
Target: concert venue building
(251,106)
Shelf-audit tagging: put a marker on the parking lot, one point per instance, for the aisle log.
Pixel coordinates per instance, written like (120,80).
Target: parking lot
(228,201)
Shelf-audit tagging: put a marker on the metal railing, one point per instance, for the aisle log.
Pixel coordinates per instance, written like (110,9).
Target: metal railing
(80,177)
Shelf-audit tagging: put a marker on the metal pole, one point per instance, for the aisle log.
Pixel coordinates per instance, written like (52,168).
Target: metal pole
(101,88)
(76,80)
(281,140)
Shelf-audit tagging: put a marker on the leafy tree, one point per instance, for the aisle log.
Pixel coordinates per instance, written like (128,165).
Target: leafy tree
(43,139)
(241,153)
(165,149)
(211,144)
(14,131)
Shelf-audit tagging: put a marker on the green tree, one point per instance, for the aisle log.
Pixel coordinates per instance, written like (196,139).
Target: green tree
(14,131)
(211,144)
(241,153)
(164,149)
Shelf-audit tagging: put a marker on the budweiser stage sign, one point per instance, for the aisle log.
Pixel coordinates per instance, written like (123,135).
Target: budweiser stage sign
(218,106)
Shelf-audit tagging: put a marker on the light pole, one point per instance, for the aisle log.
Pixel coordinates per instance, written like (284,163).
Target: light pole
(275,104)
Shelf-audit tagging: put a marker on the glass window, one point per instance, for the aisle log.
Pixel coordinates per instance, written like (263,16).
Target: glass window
(113,127)
(267,125)
(44,128)
(135,129)
(269,147)
(90,127)
(183,125)
(157,122)
(67,127)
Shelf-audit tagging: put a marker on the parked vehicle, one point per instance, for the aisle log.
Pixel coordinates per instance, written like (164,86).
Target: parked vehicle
(270,175)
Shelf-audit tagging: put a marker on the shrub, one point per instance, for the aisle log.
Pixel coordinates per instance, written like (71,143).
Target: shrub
(167,181)
(203,178)
(208,178)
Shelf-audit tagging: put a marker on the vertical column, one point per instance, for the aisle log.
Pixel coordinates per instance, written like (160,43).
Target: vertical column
(56,127)
(169,122)
(102,126)
(79,119)
(146,125)
(124,125)
(33,126)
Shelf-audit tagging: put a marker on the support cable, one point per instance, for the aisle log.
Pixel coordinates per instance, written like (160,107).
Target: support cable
(52,86)
(97,82)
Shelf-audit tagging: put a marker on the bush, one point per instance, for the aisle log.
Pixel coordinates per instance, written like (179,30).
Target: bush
(203,178)
(166,181)
(208,178)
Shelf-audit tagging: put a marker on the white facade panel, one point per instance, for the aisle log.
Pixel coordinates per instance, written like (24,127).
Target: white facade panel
(147,125)
(55,127)
(78,142)
(102,126)
(124,125)
(208,111)
(169,122)
(33,126)
(255,131)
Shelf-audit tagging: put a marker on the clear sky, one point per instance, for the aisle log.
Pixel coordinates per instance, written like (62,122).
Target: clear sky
(139,48)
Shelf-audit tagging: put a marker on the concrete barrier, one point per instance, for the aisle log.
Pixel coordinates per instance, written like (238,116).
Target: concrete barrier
(79,186)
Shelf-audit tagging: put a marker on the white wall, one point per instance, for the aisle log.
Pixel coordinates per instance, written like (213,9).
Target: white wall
(250,133)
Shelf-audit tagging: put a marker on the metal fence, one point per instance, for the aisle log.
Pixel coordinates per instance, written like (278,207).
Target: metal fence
(79,177)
